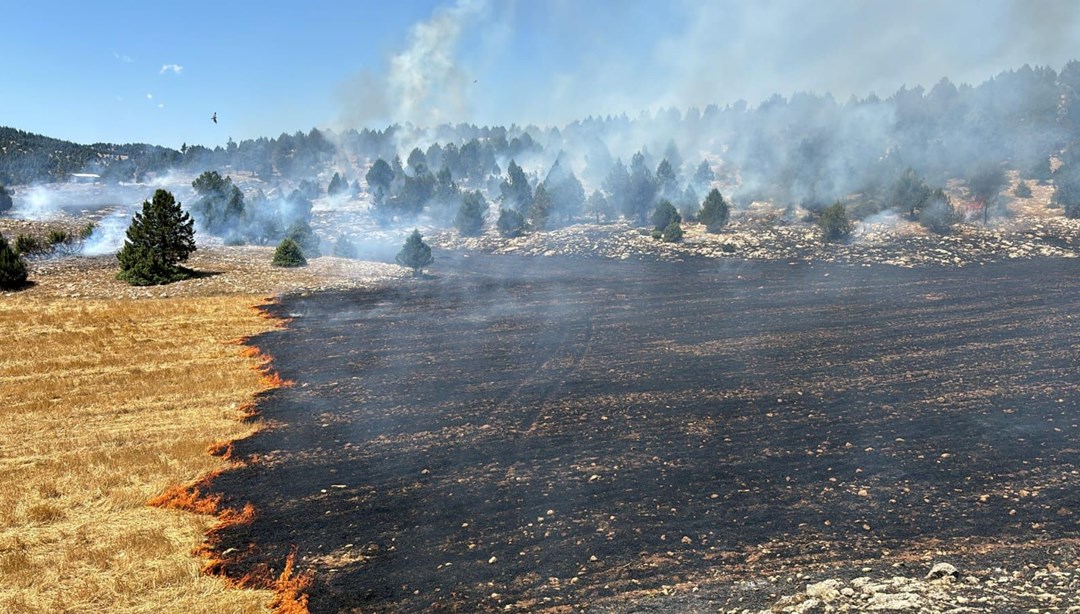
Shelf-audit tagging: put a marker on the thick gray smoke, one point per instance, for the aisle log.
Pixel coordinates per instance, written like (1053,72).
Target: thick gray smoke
(424,84)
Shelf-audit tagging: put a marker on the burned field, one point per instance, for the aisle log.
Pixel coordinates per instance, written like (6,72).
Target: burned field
(542,432)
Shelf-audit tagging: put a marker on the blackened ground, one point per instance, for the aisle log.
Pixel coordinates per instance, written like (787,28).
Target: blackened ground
(539,432)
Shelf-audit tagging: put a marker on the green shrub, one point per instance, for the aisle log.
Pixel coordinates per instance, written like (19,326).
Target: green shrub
(834,223)
(28,244)
(672,232)
(1022,190)
(415,254)
(59,237)
(664,214)
(12,267)
(511,223)
(288,254)
(344,248)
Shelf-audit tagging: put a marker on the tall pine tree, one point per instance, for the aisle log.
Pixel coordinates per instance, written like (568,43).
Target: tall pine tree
(160,237)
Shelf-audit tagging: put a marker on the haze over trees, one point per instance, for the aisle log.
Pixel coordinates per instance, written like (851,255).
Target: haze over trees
(803,151)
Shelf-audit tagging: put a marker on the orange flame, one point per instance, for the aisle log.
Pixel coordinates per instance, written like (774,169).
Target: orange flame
(289,590)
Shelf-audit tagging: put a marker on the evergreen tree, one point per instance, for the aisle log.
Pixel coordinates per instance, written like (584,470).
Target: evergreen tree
(664,214)
(540,211)
(714,212)
(515,190)
(302,233)
(909,194)
(288,254)
(617,184)
(511,223)
(160,237)
(704,175)
(470,215)
(599,206)
(5,199)
(672,233)
(642,190)
(344,248)
(337,185)
(12,267)
(834,223)
(985,183)
(220,205)
(415,254)
(379,177)
(666,180)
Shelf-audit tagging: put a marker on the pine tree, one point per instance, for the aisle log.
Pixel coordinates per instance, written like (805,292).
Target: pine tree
(511,223)
(470,215)
(5,199)
(288,254)
(714,212)
(12,267)
(160,237)
(664,214)
(415,254)
(540,210)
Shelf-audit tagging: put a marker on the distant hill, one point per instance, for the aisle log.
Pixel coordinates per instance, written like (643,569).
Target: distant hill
(30,158)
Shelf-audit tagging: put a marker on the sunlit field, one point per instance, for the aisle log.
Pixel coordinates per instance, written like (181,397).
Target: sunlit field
(105,404)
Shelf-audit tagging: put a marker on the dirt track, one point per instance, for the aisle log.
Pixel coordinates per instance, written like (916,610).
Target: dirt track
(545,432)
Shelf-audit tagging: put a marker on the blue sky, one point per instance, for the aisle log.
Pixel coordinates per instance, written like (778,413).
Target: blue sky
(154,71)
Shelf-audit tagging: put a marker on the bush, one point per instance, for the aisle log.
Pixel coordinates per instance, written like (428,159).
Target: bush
(672,233)
(511,223)
(1022,190)
(288,254)
(305,237)
(28,244)
(939,215)
(415,254)
(12,267)
(664,214)
(344,248)
(160,237)
(59,237)
(5,199)
(834,223)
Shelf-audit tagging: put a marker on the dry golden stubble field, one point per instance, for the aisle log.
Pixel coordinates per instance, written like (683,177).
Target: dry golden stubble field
(107,402)
(109,396)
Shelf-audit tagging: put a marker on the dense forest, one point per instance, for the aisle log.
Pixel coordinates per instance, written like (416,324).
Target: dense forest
(805,151)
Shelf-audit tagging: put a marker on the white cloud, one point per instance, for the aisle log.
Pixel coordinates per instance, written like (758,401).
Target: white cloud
(126,59)
(161,105)
(149,96)
(173,68)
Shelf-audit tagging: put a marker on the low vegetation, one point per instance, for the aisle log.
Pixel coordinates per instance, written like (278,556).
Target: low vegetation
(289,254)
(12,267)
(834,223)
(415,254)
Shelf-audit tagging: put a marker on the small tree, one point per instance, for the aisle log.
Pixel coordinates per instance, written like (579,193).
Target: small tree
(715,212)
(672,233)
(511,223)
(5,199)
(305,237)
(938,214)
(415,254)
(337,185)
(834,223)
(1022,190)
(664,214)
(344,248)
(985,184)
(12,267)
(470,215)
(160,237)
(288,254)
(599,206)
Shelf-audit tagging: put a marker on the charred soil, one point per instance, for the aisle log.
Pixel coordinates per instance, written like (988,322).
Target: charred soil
(545,433)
